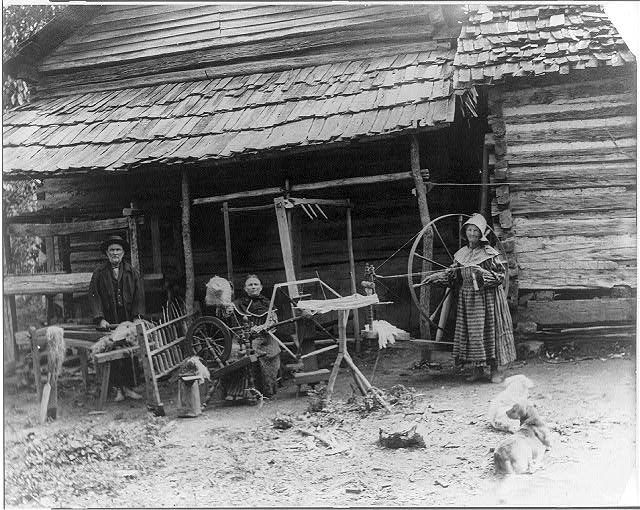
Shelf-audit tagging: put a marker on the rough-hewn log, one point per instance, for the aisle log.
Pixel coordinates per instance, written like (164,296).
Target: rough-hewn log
(577,200)
(620,246)
(568,92)
(56,229)
(336,183)
(579,311)
(586,175)
(588,108)
(572,130)
(46,283)
(425,219)
(186,243)
(572,152)
(576,279)
(598,224)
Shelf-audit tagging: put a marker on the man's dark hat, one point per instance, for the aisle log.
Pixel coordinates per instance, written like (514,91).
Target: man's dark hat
(115,239)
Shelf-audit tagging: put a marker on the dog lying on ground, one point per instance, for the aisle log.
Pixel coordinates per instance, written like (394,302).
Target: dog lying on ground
(516,392)
(523,452)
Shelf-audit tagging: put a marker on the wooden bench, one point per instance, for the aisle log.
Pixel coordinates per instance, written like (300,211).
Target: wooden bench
(80,337)
(103,369)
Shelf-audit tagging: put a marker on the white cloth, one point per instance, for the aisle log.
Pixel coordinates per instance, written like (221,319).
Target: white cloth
(341,303)
(387,333)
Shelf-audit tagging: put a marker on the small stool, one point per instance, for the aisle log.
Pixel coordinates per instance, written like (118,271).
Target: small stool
(189,396)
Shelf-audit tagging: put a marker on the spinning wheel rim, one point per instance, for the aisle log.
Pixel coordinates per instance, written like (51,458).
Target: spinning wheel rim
(211,339)
(419,239)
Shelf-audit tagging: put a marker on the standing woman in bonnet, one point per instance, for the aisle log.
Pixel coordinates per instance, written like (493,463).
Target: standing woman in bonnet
(484,331)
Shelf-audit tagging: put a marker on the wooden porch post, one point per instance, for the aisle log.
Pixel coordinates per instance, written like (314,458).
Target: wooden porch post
(352,272)
(186,243)
(423,207)
(227,241)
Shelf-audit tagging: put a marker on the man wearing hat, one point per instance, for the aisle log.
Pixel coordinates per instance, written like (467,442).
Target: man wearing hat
(117,295)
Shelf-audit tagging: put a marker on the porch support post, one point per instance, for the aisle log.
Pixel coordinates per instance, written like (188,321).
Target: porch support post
(227,241)
(425,218)
(186,243)
(352,272)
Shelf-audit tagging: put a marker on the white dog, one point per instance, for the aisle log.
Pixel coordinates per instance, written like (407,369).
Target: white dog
(516,392)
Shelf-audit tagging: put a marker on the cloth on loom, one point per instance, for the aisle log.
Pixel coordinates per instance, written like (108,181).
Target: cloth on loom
(341,303)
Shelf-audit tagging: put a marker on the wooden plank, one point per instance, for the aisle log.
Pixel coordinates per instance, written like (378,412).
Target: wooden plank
(188,41)
(155,244)
(579,311)
(576,200)
(596,107)
(133,243)
(581,224)
(285,243)
(576,279)
(568,152)
(46,283)
(57,229)
(352,274)
(599,129)
(576,248)
(568,92)
(586,175)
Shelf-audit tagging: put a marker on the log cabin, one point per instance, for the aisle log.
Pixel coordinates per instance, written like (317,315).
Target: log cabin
(561,95)
(203,130)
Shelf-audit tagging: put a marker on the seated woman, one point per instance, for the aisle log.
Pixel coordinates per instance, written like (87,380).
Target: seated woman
(253,306)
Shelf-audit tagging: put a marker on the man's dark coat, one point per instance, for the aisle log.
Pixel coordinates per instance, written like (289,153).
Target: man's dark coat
(103,297)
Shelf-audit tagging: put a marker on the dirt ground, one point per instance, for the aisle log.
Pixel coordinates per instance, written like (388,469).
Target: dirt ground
(232,455)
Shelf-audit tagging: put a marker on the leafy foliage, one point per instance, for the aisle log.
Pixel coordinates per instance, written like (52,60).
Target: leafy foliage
(19,23)
(19,197)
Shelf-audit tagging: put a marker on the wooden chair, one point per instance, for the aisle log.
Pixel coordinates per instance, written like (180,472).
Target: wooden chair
(161,349)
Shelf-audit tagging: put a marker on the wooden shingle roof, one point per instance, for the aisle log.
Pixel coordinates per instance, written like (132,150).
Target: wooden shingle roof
(167,84)
(223,117)
(500,41)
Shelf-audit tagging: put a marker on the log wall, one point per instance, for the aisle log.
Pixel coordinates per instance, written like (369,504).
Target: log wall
(565,168)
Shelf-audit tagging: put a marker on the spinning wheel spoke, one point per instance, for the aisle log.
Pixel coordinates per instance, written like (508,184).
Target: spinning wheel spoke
(210,338)
(422,257)
(445,238)
(435,229)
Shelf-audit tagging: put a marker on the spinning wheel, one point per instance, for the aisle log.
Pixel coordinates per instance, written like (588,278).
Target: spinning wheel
(210,338)
(446,241)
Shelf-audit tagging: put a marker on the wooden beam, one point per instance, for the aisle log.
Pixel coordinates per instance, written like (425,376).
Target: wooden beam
(425,219)
(46,283)
(133,242)
(579,311)
(186,242)
(336,183)
(57,229)
(285,244)
(227,241)
(352,274)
